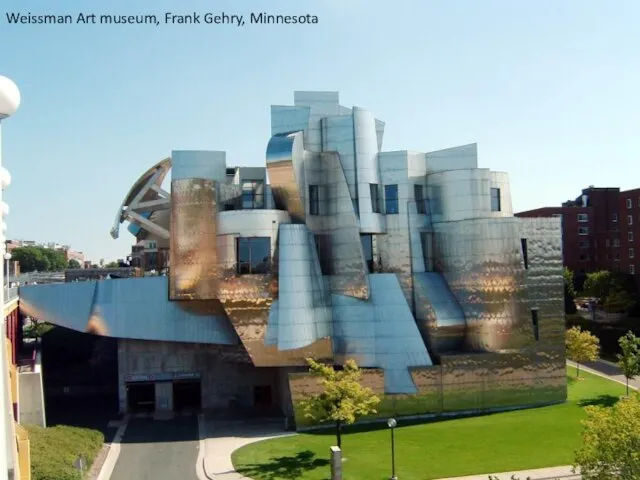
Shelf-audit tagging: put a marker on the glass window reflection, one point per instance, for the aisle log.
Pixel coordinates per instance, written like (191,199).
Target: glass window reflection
(254,255)
(314,200)
(367,249)
(375,198)
(252,194)
(391,199)
(495,199)
(418,195)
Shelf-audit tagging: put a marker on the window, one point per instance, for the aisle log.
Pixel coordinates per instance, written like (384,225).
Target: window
(254,254)
(418,195)
(629,203)
(314,200)
(535,323)
(607,243)
(617,257)
(323,247)
(391,199)
(629,219)
(584,258)
(631,253)
(583,231)
(367,249)
(616,242)
(375,197)
(584,243)
(630,236)
(614,218)
(252,194)
(632,269)
(495,199)
(435,200)
(525,253)
(583,217)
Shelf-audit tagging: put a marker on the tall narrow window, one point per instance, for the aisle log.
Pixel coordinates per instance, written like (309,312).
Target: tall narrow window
(375,198)
(418,195)
(323,246)
(630,236)
(534,321)
(631,253)
(254,254)
(629,203)
(495,200)
(632,269)
(314,200)
(525,253)
(391,199)
(367,249)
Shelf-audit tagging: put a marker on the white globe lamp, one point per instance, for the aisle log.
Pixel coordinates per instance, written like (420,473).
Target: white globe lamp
(9,97)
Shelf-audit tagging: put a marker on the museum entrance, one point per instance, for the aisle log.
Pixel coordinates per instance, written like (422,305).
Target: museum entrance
(141,397)
(187,395)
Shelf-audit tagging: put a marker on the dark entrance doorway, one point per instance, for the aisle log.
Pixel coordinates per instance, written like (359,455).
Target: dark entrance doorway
(186,395)
(141,397)
(262,396)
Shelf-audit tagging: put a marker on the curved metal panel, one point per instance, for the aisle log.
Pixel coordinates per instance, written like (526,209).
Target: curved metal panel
(208,164)
(438,313)
(159,170)
(128,308)
(285,166)
(193,274)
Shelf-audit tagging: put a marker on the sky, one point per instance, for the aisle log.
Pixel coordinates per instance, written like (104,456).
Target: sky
(549,89)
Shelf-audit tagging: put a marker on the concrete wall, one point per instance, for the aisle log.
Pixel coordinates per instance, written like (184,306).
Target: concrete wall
(226,374)
(31,397)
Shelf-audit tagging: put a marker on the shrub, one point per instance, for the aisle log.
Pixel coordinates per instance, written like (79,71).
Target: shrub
(55,449)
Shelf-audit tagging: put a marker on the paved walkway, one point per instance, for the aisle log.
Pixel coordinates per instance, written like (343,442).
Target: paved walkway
(609,370)
(552,473)
(223,437)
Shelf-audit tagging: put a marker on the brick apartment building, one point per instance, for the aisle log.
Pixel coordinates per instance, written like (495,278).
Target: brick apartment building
(600,230)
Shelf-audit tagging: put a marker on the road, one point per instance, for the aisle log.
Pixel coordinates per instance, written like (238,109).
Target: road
(158,450)
(612,370)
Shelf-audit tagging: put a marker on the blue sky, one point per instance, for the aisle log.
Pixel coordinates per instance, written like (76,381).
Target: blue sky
(549,89)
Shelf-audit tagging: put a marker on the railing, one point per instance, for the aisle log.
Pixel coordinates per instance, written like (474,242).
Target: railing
(24,452)
(10,293)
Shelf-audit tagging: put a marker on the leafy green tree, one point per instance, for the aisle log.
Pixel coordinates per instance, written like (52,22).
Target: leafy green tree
(567,274)
(73,263)
(611,442)
(57,259)
(581,346)
(629,359)
(619,302)
(112,265)
(343,399)
(598,284)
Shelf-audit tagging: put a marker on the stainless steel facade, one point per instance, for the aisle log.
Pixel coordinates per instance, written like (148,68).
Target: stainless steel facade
(411,263)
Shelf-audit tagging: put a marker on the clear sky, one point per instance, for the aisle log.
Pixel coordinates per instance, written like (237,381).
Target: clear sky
(549,89)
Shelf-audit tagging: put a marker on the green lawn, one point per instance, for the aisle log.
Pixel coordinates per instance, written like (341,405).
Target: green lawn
(535,438)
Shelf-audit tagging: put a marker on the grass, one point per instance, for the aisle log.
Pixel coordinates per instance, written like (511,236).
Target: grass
(535,438)
(55,449)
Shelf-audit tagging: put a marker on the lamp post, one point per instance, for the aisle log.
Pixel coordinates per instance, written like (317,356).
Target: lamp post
(9,103)
(392,425)
(7,257)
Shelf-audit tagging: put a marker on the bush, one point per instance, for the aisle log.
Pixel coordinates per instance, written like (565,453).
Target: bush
(55,449)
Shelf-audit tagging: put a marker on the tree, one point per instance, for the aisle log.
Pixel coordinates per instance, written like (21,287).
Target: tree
(73,263)
(582,346)
(619,302)
(112,265)
(343,398)
(41,259)
(629,359)
(598,284)
(611,441)
(567,274)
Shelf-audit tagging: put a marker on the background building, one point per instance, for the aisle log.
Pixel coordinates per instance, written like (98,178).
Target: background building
(600,230)
(411,263)
(69,253)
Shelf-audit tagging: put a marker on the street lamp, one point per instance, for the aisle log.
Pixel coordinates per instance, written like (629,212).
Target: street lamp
(7,257)
(392,425)
(9,103)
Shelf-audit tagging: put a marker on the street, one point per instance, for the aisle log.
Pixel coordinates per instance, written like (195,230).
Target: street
(158,450)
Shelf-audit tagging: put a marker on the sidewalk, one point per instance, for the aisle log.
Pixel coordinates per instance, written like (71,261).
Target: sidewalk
(223,437)
(609,370)
(552,473)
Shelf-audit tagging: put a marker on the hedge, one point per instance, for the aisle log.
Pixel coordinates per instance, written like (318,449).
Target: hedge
(55,449)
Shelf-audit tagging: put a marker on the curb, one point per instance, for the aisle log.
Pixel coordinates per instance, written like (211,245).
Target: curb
(600,374)
(114,451)
(201,471)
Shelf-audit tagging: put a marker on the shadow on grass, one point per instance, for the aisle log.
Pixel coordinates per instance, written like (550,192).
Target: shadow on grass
(600,401)
(284,468)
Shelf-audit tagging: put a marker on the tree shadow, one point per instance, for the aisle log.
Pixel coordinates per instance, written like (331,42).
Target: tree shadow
(284,468)
(600,401)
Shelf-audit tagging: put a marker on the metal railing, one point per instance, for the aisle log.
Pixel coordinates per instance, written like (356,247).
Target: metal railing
(10,293)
